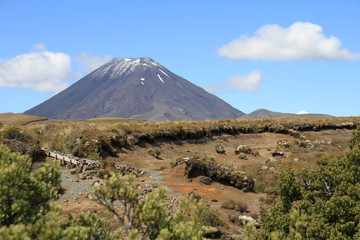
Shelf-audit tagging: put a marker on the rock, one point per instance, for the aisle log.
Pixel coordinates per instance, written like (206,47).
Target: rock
(306,144)
(277,154)
(220,149)
(255,153)
(242,156)
(198,166)
(243,149)
(83,176)
(194,195)
(271,160)
(214,200)
(243,220)
(155,153)
(294,133)
(206,180)
(232,218)
(73,170)
(283,144)
(248,220)
(211,232)
(264,167)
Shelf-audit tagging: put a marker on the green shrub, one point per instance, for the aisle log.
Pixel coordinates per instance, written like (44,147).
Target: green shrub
(319,203)
(148,218)
(15,133)
(24,196)
(211,217)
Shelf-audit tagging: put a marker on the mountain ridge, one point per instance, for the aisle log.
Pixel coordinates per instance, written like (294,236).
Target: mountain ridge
(265,113)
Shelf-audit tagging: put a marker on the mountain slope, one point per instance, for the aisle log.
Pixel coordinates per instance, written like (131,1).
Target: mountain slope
(135,88)
(264,113)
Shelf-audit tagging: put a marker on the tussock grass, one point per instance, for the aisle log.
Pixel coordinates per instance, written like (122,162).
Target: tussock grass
(64,135)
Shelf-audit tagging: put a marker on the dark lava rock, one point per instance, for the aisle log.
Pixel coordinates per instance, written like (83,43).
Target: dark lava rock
(277,154)
(206,180)
(197,166)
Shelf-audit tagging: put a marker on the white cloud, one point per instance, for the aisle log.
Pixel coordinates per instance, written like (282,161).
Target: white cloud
(40,71)
(92,62)
(302,112)
(300,41)
(39,46)
(249,82)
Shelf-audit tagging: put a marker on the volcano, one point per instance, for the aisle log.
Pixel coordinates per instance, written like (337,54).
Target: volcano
(138,88)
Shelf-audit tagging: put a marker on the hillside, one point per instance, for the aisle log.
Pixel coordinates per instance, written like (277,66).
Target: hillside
(15,119)
(166,154)
(267,114)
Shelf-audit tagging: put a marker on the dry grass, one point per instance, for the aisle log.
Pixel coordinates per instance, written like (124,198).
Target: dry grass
(64,135)
(18,119)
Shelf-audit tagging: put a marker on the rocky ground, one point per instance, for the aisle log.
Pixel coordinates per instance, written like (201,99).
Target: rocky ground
(269,152)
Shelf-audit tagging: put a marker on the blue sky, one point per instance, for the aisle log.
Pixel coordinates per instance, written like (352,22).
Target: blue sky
(286,56)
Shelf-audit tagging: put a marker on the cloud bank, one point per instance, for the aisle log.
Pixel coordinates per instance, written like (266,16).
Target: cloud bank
(249,82)
(302,112)
(300,41)
(40,71)
(91,62)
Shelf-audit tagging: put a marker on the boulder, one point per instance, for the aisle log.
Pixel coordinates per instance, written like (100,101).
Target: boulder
(243,220)
(194,195)
(283,144)
(277,154)
(248,220)
(242,156)
(206,180)
(84,176)
(307,144)
(243,149)
(220,149)
(198,166)
(96,183)
(210,232)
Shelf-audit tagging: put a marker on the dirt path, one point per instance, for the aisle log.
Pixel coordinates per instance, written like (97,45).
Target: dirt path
(74,187)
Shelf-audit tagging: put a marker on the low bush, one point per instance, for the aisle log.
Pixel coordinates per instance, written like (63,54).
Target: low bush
(237,206)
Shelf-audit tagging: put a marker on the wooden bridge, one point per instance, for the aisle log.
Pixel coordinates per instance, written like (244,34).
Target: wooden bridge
(87,165)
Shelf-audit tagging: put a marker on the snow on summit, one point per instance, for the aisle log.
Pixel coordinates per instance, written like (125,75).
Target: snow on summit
(119,66)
